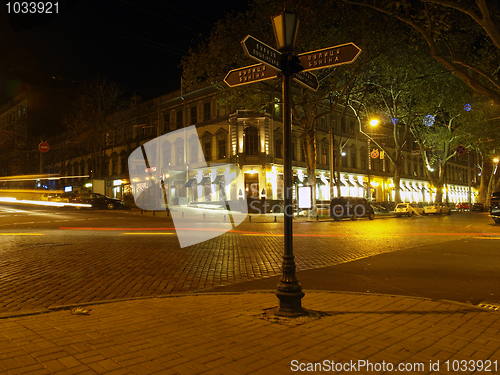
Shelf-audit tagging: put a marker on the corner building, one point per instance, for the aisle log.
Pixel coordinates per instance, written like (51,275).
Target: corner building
(252,141)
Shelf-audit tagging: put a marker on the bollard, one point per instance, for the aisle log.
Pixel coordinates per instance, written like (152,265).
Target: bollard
(317,217)
(154,212)
(249,219)
(168,213)
(224,218)
(141,211)
(183,215)
(203,216)
(275,218)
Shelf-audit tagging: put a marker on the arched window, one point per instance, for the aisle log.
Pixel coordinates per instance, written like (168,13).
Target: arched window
(278,148)
(251,141)
(344,155)
(221,137)
(206,143)
(362,158)
(166,150)
(354,157)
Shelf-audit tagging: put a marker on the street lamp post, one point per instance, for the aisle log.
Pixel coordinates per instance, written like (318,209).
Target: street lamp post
(373,123)
(289,290)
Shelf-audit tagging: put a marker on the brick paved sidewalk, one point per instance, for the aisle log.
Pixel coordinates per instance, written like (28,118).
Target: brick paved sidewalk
(238,334)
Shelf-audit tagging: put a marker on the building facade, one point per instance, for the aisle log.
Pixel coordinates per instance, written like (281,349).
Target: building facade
(231,141)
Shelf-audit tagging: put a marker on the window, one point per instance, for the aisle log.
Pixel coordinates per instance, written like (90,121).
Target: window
(278,148)
(105,171)
(123,164)
(345,125)
(207,148)
(362,158)
(343,158)
(179,119)
(222,148)
(251,141)
(167,153)
(180,155)
(324,156)
(166,123)
(194,153)
(114,165)
(354,158)
(207,115)
(194,118)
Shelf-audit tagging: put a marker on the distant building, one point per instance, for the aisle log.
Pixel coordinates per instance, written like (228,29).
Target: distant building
(26,120)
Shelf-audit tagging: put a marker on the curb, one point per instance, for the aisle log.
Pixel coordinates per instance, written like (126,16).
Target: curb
(19,314)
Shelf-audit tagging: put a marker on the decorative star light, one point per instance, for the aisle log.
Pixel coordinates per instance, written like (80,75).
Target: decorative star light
(395,120)
(429,120)
(467,107)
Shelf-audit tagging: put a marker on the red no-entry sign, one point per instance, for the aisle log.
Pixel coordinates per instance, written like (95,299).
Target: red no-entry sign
(44,147)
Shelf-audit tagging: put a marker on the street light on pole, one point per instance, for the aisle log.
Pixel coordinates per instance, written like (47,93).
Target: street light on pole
(373,122)
(289,290)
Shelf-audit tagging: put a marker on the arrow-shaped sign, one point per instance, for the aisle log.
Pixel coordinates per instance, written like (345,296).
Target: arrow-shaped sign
(331,56)
(249,74)
(259,51)
(307,79)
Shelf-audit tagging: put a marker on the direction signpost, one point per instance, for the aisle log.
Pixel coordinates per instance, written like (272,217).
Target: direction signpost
(250,74)
(328,57)
(259,51)
(283,62)
(306,79)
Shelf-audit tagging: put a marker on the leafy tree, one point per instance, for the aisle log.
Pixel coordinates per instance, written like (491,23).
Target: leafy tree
(323,24)
(462,36)
(483,131)
(97,99)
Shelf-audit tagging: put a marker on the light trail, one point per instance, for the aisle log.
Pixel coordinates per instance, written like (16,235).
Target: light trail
(248,233)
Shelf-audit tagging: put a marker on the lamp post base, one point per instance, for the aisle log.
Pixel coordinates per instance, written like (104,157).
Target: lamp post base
(289,291)
(290,303)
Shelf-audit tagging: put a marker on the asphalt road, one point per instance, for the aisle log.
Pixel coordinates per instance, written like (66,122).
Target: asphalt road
(51,257)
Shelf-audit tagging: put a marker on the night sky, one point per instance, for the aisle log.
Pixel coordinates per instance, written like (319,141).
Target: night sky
(137,43)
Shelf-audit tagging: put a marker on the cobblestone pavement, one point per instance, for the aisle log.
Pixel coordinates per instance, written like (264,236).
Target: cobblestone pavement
(52,267)
(239,334)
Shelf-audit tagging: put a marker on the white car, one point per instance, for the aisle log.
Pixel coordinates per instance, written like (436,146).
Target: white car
(409,209)
(436,209)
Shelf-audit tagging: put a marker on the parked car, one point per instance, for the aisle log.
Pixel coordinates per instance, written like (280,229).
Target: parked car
(478,207)
(462,206)
(495,212)
(98,201)
(350,207)
(495,207)
(49,197)
(436,209)
(65,197)
(408,209)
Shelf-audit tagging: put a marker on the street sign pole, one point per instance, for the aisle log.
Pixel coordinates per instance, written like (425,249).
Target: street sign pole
(289,290)
(273,62)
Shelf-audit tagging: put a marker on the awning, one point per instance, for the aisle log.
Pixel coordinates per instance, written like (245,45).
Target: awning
(190,182)
(204,181)
(403,187)
(319,182)
(359,185)
(217,179)
(349,183)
